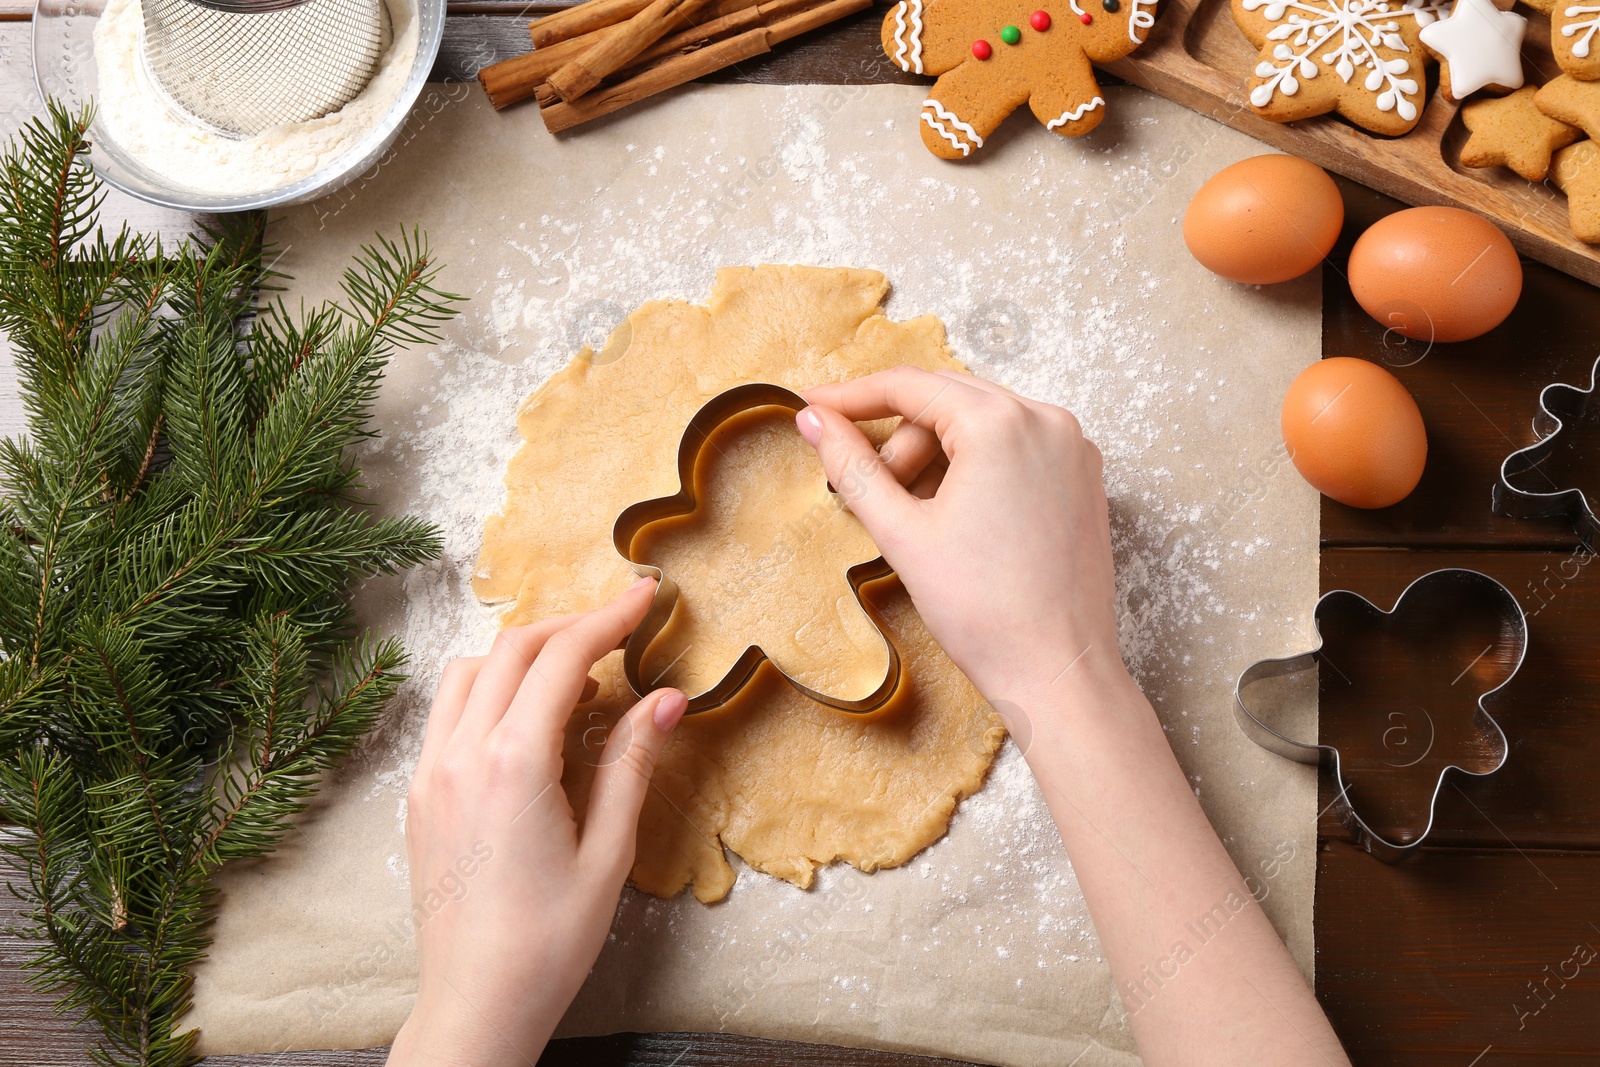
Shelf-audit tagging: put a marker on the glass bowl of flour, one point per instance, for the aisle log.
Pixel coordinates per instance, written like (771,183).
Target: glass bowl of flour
(91,52)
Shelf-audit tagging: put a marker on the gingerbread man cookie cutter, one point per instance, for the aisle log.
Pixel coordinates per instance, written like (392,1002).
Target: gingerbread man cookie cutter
(719,410)
(1440,593)
(1561,407)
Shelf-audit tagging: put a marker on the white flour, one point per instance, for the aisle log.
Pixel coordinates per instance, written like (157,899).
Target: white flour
(1059,268)
(133,113)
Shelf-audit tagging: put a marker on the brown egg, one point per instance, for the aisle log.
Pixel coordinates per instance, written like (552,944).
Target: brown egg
(1436,274)
(1355,433)
(1264,220)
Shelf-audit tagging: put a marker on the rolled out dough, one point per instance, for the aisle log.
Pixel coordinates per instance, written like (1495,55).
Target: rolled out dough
(763,560)
(1060,269)
(786,783)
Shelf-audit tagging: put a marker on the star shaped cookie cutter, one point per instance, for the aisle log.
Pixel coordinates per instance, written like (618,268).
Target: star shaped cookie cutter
(1445,590)
(1560,407)
(633,520)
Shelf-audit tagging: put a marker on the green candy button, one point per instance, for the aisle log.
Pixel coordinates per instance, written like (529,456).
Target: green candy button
(1011,35)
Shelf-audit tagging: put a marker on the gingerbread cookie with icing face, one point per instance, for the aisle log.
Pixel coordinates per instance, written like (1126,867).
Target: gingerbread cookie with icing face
(1361,58)
(992,58)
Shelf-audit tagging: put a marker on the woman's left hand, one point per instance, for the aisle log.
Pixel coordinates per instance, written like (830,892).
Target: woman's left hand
(511,897)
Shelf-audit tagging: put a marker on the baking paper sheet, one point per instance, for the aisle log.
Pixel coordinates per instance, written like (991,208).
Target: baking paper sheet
(1060,270)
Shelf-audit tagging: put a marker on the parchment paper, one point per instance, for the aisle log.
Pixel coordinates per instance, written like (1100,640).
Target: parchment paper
(1060,270)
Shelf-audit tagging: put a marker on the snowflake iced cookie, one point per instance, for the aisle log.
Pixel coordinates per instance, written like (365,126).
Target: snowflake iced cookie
(992,58)
(1574,35)
(1361,58)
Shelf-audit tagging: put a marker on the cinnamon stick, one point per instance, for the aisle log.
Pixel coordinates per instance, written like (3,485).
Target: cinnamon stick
(621,47)
(585,18)
(746,18)
(513,80)
(811,19)
(678,69)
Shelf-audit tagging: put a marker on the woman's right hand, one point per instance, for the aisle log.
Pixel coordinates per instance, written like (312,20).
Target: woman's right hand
(1009,560)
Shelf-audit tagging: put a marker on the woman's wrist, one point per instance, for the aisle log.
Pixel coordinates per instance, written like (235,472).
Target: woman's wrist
(454,1035)
(1084,690)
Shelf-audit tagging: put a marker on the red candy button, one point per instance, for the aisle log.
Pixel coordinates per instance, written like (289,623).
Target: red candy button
(1039,20)
(1086,18)
(982,49)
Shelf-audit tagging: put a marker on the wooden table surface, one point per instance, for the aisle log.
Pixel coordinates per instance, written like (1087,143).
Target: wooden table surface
(1462,956)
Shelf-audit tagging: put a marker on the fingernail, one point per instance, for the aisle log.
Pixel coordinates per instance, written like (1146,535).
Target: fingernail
(640,582)
(810,426)
(669,710)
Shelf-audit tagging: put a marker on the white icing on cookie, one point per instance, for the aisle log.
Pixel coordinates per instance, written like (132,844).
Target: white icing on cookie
(1588,29)
(1075,114)
(944,115)
(1344,34)
(1481,43)
(908,38)
(1139,20)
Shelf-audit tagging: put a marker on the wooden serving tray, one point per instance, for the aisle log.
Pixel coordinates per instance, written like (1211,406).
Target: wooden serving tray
(1196,56)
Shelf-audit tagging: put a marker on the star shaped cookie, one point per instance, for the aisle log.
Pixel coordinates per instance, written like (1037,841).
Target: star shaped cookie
(1577,103)
(1577,173)
(1480,47)
(1512,132)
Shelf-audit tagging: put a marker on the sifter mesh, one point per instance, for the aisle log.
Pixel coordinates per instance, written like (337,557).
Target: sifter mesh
(243,66)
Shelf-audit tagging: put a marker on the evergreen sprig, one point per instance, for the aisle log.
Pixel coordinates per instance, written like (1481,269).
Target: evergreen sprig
(179,532)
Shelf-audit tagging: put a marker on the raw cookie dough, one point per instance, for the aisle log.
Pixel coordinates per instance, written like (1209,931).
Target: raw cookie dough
(763,561)
(784,782)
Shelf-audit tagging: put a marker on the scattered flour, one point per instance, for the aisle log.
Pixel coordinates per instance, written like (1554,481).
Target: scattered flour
(1046,285)
(133,112)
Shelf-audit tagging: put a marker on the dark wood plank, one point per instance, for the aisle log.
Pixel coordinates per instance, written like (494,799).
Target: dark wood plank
(1477,398)
(844,53)
(1435,961)
(1544,795)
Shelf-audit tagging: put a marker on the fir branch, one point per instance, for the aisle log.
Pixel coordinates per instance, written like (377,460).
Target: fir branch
(179,533)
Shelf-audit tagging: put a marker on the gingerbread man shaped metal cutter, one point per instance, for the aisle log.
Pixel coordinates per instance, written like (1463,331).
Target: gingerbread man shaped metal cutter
(1427,607)
(1561,408)
(719,410)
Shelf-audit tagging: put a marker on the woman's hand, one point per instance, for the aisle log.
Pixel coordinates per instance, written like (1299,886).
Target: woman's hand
(1009,564)
(1009,561)
(512,899)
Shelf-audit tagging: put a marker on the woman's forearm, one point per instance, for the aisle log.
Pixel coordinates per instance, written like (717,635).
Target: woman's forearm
(1202,973)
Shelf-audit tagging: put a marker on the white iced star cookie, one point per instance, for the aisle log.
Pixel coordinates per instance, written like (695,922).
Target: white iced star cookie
(1480,47)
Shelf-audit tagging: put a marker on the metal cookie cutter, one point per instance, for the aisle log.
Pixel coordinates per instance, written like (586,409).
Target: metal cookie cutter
(1436,624)
(718,411)
(1561,407)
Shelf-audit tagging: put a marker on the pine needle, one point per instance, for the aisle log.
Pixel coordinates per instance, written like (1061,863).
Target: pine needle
(180,530)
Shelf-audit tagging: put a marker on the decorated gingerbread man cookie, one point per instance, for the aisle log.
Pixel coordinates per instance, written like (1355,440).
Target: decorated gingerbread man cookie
(992,58)
(1361,58)
(1574,35)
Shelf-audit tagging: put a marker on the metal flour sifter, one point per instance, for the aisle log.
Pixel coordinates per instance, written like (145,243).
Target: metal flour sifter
(243,66)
